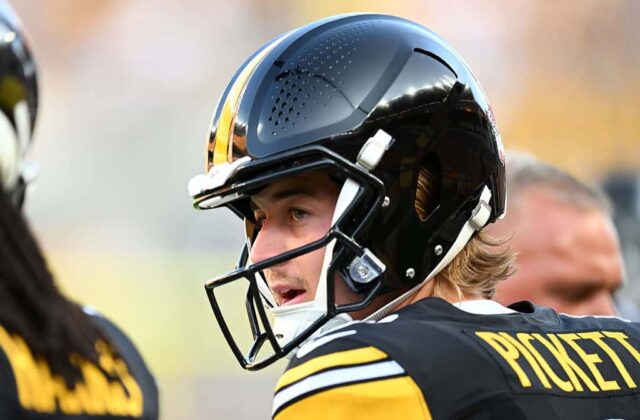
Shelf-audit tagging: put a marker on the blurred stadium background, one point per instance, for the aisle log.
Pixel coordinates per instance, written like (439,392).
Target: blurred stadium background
(127,92)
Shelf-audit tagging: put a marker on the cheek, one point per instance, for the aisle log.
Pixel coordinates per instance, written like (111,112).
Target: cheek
(310,266)
(311,231)
(317,229)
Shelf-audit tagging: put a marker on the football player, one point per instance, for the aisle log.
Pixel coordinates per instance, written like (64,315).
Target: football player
(58,360)
(569,260)
(365,161)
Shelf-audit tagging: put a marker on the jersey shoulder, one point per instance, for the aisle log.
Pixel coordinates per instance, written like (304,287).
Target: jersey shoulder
(131,356)
(120,386)
(8,397)
(125,347)
(344,374)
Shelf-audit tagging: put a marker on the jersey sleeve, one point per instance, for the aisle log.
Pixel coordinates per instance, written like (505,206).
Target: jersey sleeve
(9,406)
(135,363)
(346,379)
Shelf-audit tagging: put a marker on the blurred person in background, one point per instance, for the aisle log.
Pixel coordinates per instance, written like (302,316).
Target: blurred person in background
(568,253)
(58,360)
(364,159)
(623,188)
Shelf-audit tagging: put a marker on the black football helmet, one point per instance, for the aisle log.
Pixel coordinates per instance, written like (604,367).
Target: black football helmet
(18,103)
(369,98)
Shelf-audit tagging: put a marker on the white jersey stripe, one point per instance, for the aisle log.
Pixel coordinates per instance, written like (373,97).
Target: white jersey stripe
(336,377)
(311,346)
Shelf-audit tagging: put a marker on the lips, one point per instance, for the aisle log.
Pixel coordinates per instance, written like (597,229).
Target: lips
(286,295)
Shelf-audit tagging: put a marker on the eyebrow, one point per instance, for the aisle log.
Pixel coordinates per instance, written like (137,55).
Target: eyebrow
(286,193)
(291,192)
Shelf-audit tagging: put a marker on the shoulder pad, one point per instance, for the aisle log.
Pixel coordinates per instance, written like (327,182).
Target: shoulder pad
(340,374)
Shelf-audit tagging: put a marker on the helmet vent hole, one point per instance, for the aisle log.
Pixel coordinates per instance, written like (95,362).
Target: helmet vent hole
(322,67)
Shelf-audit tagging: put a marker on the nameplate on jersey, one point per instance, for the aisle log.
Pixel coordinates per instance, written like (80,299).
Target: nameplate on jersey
(591,362)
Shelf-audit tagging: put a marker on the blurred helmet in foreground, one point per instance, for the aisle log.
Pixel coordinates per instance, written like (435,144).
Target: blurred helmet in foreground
(18,102)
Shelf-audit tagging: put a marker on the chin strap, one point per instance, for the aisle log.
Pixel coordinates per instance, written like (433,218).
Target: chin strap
(479,218)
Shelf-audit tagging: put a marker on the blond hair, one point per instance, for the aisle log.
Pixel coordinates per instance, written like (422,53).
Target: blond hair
(480,265)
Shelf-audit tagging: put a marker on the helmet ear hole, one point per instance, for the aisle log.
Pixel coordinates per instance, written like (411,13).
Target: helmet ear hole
(428,187)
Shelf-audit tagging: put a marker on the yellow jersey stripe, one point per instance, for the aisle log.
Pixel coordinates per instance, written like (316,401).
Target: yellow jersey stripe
(398,398)
(221,142)
(342,358)
(332,378)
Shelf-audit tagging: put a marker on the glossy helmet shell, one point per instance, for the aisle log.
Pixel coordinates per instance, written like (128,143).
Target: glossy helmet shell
(335,83)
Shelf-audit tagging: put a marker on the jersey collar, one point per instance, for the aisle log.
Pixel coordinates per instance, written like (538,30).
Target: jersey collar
(483,307)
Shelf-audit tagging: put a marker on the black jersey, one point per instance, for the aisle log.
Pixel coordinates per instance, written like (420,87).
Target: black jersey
(433,360)
(29,390)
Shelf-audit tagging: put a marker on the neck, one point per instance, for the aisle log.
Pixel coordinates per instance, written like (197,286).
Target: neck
(447,293)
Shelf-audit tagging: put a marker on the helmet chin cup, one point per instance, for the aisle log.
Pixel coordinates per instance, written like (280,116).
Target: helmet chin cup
(290,321)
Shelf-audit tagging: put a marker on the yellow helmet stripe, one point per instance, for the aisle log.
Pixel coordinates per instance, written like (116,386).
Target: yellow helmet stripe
(222,141)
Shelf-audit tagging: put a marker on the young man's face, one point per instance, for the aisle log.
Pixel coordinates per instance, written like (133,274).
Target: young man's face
(294,212)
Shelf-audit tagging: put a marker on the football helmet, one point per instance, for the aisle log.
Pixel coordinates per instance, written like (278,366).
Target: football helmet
(368,98)
(18,103)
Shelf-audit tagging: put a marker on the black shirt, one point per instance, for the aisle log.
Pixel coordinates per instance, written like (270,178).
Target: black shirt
(433,360)
(28,389)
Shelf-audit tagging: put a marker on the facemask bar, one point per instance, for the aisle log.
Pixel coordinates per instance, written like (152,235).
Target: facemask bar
(345,245)
(256,310)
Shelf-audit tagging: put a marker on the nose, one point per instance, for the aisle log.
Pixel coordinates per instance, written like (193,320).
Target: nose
(268,243)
